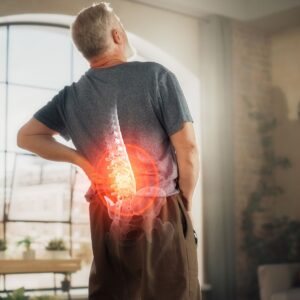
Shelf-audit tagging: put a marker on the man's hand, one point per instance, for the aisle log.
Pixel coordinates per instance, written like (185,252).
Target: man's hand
(94,176)
(186,203)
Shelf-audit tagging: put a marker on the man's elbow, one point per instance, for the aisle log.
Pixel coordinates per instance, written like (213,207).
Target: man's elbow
(192,147)
(188,148)
(188,153)
(21,139)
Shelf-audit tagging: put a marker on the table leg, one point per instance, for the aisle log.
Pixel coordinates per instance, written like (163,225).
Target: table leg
(55,288)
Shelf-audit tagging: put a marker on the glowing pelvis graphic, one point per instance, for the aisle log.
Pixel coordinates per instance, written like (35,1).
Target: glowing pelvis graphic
(128,207)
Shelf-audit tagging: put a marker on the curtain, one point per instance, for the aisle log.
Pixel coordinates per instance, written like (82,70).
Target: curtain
(217,157)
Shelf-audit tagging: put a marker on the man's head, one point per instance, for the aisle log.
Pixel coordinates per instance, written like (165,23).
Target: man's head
(97,32)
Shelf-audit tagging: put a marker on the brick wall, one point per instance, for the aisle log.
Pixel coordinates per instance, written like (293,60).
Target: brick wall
(251,84)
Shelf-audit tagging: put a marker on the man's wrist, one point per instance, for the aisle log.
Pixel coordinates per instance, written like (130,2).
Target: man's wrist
(186,201)
(79,160)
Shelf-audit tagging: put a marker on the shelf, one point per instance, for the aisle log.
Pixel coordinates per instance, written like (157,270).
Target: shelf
(21,266)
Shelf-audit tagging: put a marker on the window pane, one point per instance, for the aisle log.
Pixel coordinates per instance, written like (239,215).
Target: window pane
(80,212)
(41,234)
(39,56)
(40,189)
(33,182)
(30,281)
(22,103)
(80,66)
(2,137)
(82,249)
(2,115)
(3,32)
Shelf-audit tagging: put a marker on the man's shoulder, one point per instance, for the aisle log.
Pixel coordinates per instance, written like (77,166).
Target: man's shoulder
(149,69)
(153,70)
(155,66)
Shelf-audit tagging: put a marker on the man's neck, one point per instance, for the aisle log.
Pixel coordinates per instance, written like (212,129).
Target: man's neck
(106,61)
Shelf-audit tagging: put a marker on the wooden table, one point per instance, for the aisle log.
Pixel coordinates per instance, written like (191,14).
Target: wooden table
(22,266)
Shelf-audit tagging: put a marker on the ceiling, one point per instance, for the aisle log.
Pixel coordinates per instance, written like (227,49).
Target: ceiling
(271,15)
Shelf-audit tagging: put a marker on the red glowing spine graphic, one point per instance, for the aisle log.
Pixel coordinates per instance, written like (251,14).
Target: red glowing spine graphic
(120,174)
(129,184)
(119,167)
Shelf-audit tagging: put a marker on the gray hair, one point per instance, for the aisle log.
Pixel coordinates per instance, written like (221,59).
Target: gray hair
(91,29)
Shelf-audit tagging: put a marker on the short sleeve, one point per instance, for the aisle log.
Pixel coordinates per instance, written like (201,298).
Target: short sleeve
(52,114)
(172,102)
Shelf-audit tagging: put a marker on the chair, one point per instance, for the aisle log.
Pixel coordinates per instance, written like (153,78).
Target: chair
(277,281)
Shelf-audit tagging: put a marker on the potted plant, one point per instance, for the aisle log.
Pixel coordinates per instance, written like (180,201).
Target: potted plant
(18,294)
(2,249)
(66,283)
(57,249)
(28,253)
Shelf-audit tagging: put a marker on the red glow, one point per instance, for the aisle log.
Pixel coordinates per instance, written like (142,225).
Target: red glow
(139,168)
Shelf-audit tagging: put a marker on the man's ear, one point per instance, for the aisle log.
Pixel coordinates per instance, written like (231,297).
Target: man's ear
(116,36)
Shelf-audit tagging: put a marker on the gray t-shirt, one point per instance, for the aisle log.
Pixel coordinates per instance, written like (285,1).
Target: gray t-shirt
(133,106)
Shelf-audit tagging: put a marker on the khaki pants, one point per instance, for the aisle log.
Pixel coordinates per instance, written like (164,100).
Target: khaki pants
(162,268)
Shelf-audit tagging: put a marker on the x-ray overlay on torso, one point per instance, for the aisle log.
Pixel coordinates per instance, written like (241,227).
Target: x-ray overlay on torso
(132,204)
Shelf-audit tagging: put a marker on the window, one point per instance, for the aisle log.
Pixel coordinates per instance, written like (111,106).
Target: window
(39,198)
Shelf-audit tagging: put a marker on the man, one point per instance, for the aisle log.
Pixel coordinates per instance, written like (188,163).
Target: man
(134,139)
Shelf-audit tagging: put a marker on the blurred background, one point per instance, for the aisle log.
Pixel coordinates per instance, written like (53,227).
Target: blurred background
(238,64)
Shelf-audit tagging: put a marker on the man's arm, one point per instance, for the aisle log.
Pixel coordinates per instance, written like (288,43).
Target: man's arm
(184,142)
(35,137)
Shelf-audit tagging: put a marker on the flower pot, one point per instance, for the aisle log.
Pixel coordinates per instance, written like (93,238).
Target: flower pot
(58,254)
(65,285)
(2,255)
(29,254)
